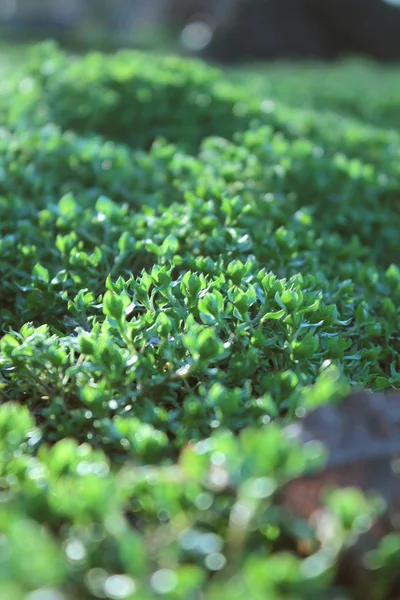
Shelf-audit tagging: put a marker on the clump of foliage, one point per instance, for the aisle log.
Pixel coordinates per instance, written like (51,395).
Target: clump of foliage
(336,89)
(167,306)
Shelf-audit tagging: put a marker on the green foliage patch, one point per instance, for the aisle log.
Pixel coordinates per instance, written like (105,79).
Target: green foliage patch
(185,269)
(337,88)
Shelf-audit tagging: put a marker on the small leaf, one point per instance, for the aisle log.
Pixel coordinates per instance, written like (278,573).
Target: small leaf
(41,273)
(113,305)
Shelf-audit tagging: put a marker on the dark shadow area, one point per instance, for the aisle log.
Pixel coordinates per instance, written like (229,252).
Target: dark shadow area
(220,30)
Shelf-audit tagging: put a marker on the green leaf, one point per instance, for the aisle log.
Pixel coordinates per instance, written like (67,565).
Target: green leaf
(113,305)
(86,344)
(41,273)
(208,345)
(67,206)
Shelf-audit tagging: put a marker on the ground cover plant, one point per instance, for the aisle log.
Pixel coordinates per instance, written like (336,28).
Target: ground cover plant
(186,269)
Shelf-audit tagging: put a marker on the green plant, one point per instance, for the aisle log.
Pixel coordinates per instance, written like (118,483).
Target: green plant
(167,306)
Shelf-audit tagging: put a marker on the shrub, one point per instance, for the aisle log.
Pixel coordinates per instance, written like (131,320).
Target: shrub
(167,307)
